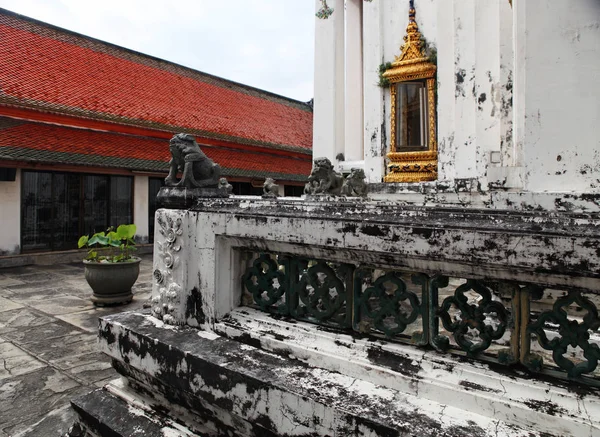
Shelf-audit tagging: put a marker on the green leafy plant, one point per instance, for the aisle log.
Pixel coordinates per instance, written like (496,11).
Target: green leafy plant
(383,81)
(110,246)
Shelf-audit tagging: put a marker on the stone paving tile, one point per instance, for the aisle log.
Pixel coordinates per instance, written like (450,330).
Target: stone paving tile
(21,270)
(7,280)
(15,362)
(48,331)
(39,276)
(7,304)
(54,424)
(103,382)
(62,305)
(21,318)
(96,367)
(78,289)
(25,398)
(88,320)
(68,346)
(32,294)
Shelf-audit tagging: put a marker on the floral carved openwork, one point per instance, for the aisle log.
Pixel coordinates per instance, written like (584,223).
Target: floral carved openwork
(167,300)
(413,155)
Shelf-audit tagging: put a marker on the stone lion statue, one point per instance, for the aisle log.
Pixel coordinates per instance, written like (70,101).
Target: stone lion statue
(199,171)
(270,189)
(355,185)
(323,178)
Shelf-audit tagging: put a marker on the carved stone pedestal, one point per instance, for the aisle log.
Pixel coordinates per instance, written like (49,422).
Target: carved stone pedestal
(184,198)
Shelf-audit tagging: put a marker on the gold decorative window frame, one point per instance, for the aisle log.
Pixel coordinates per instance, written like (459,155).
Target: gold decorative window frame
(413,64)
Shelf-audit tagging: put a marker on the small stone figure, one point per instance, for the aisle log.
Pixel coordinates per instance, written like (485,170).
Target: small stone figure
(323,179)
(199,171)
(225,186)
(355,185)
(270,189)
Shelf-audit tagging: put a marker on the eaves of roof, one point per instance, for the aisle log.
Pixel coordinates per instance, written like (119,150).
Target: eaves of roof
(19,154)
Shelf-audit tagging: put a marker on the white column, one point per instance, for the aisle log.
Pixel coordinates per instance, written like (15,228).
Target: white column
(446,90)
(353,111)
(10,216)
(328,115)
(495,57)
(465,137)
(140,207)
(507,56)
(376,113)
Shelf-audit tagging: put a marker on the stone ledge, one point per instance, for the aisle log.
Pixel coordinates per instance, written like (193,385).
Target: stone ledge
(520,240)
(508,394)
(282,395)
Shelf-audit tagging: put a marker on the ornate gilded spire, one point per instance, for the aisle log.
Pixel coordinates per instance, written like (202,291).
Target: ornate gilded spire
(413,61)
(412,49)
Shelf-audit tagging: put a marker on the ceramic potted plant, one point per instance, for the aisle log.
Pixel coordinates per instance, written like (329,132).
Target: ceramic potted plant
(110,268)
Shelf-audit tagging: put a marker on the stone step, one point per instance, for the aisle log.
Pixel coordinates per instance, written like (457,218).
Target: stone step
(205,380)
(101,413)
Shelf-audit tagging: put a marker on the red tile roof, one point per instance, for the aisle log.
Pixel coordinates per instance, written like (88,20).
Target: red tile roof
(51,69)
(26,141)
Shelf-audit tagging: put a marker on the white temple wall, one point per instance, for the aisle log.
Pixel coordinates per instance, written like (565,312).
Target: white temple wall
(376,113)
(140,207)
(10,216)
(514,85)
(556,94)
(473,106)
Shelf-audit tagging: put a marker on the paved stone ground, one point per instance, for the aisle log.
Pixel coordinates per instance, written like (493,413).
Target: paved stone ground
(48,351)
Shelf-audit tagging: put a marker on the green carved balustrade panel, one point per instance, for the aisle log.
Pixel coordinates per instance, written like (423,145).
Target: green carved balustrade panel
(473,316)
(390,303)
(321,293)
(267,284)
(524,325)
(565,335)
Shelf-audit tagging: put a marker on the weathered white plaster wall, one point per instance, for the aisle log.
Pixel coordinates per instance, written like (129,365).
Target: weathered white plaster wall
(474,56)
(140,206)
(375,112)
(536,57)
(557,95)
(10,216)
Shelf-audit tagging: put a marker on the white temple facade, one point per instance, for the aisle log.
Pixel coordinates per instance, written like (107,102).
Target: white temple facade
(516,108)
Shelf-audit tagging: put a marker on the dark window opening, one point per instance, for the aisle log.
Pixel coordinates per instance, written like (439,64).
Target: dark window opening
(57,208)
(246,189)
(411,116)
(293,190)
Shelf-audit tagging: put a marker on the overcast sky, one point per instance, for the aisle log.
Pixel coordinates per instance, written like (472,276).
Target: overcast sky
(268,44)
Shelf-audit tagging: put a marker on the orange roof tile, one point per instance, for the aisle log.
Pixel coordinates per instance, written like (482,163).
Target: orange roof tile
(48,68)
